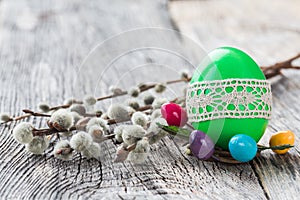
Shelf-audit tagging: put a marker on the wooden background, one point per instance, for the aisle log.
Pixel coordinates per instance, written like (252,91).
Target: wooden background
(43,44)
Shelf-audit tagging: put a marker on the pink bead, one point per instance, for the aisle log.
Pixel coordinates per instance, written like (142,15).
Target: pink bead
(174,114)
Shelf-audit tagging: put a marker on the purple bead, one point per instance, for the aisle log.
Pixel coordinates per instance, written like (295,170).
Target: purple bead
(201,145)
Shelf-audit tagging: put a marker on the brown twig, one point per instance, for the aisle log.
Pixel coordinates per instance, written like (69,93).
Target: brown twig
(50,131)
(20,117)
(29,113)
(112,96)
(32,113)
(59,107)
(92,115)
(144,108)
(274,70)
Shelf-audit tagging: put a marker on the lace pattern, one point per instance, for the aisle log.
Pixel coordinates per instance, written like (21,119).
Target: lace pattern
(229,98)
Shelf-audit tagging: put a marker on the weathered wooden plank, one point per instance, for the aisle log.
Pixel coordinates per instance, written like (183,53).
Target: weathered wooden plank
(269,31)
(42,46)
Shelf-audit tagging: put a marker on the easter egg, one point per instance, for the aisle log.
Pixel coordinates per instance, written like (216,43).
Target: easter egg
(229,95)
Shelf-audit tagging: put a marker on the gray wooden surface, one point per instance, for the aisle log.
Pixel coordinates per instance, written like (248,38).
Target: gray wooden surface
(43,44)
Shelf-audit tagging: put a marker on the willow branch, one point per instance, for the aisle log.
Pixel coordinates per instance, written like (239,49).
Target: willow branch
(32,113)
(269,71)
(142,88)
(50,131)
(276,69)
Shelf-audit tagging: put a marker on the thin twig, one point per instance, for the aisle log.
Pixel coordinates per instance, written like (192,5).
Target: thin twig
(112,96)
(274,70)
(29,113)
(143,88)
(50,131)
(32,113)
(59,107)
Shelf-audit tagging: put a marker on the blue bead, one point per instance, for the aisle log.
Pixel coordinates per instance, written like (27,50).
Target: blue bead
(242,147)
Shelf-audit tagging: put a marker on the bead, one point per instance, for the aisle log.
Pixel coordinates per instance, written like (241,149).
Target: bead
(201,145)
(282,138)
(242,147)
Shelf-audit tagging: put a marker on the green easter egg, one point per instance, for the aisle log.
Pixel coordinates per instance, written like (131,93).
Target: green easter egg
(228,95)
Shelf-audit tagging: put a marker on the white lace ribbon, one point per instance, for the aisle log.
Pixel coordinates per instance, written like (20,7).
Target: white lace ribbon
(229,98)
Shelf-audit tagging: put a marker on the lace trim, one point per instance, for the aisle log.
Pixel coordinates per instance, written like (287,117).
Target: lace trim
(229,98)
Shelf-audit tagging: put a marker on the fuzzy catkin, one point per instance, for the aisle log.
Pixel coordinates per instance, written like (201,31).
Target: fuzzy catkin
(76,117)
(80,109)
(139,118)
(140,153)
(134,91)
(133,104)
(132,133)
(37,145)
(99,122)
(63,118)
(155,114)
(142,146)
(4,117)
(148,99)
(160,87)
(80,141)
(157,132)
(23,133)
(62,150)
(115,90)
(44,107)
(97,133)
(118,112)
(158,102)
(89,100)
(184,74)
(92,151)
(118,131)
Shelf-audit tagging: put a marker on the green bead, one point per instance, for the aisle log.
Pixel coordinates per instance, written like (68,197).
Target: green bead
(225,63)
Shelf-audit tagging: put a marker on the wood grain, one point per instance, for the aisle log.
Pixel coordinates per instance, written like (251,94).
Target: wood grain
(42,46)
(269,31)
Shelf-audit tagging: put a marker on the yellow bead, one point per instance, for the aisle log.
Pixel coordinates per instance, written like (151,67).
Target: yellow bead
(282,138)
